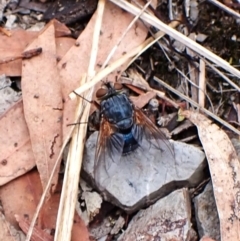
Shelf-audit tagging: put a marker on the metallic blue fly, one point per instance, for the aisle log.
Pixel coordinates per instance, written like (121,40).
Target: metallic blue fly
(124,128)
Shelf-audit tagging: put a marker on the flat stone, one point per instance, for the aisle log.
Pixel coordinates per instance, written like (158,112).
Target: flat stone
(236,144)
(93,203)
(10,21)
(8,96)
(206,214)
(168,219)
(144,176)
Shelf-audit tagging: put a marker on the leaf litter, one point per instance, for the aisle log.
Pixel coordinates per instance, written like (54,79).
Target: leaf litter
(46,132)
(225,170)
(40,82)
(15,145)
(40,69)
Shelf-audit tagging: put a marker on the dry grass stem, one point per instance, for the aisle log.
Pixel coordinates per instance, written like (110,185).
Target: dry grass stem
(123,35)
(202,83)
(71,179)
(225,8)
(152,20)
(124,59)
(193,103)
(223,76)
(193,46)
(75,155)
(46,191)
(156,38)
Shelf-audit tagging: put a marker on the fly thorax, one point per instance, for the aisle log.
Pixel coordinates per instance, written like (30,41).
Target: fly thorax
(125,124)
(118,111)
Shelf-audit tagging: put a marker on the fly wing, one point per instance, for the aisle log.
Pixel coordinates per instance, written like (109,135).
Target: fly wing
(109,149)
(147,134)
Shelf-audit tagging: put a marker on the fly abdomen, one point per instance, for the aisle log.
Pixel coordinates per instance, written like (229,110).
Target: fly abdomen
(130,144)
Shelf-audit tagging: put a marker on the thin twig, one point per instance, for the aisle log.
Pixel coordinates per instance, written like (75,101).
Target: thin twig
(111,67)
(46,190)
(123,35)
(79,112)
(25,55)
(202,83)
(223,75)
(207,112)
(225,8)
(156,37)
(178,36)
(71,177)
(162,46)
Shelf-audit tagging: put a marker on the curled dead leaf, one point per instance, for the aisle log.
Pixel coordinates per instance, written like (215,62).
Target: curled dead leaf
(225,173)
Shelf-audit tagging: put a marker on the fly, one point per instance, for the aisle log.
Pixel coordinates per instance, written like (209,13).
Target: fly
(123,128)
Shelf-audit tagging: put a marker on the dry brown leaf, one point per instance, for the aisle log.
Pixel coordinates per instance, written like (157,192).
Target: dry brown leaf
(27,190)
(205,238)
(38,234)
(21,196)
(75,63)
(49,217)
(16,156)
(43,104)
(109,38)
(19,40)
(16,43)
(141,100)
(225,172)
(6,233)
(63,44)
(79,229)
(61,30)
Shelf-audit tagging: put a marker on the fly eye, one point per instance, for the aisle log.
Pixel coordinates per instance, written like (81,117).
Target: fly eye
(102,92)
(118,86)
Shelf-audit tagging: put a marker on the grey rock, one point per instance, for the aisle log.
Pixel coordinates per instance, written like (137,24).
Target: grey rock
(236,144)
(105,227)
(206,214)
(101,231)
(3,4)
(11,19)
(168,219)
(142,177)
(8,96)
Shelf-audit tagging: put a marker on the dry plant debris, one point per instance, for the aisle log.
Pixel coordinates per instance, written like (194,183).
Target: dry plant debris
(224,167)
(34,130)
